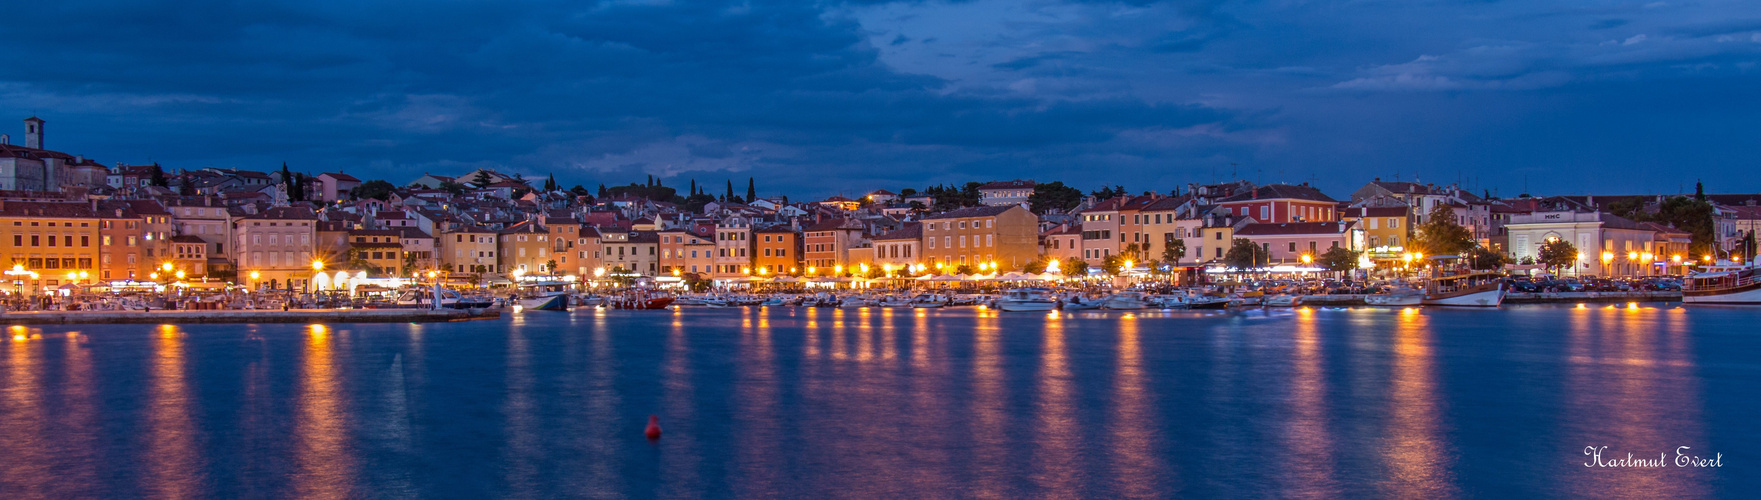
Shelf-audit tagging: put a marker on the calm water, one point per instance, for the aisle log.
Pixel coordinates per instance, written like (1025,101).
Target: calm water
(882,403)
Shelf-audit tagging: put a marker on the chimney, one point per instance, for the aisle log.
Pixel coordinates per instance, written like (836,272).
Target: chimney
(5,139)
(33,133)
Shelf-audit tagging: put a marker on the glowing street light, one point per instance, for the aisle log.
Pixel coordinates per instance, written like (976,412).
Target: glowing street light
(1308,259)
(317,265)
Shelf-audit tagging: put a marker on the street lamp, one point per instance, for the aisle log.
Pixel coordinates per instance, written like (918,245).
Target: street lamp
(1307,259)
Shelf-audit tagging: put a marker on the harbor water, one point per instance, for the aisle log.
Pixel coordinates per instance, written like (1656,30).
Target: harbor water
(895,403)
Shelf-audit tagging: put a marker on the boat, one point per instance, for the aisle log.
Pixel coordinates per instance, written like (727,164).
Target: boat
(1080,303)
(423,297)
(775,301)
(1283,300)
(640,299)
(1465,290)
(543,296)
(1124,301)
(1027,299)
(929,301)
(1724,283)
(855,302)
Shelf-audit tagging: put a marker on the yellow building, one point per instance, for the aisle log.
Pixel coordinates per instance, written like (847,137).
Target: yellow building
(58,242)
(1007,236)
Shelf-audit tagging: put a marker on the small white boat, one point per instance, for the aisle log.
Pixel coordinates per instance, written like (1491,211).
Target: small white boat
(1027,299)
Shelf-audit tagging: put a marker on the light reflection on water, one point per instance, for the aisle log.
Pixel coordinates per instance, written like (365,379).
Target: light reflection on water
(791,402)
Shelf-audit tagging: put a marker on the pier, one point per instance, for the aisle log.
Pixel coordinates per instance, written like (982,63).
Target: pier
(244,316)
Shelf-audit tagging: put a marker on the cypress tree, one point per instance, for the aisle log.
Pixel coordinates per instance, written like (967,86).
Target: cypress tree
(693,191)
(730,195)
(751,194)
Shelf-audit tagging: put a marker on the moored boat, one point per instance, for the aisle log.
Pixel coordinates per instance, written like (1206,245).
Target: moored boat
(1725,283)
(1027,299)
(1465,290)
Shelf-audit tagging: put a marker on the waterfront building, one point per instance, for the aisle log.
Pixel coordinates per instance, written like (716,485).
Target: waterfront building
(899,249)
(58,241)
(190,254)
(1100,230)
(1286,243)
(204,218)
(1000,193)
(469,250)
(699,252)
(277,244)
(827,244)
(524,247)
(589,250)
(564,232)
(1062,242)
(777,250)
(119,240)
(418,249)
(1279,203)
(382,249)
(733,247)
(1607,245)
(1006,236)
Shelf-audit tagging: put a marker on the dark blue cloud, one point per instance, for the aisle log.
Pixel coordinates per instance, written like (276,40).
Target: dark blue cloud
(902,93)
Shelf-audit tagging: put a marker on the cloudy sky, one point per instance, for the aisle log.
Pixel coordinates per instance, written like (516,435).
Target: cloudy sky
(817,98)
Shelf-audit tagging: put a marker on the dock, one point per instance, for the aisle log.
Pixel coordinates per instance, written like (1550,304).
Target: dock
(244,316)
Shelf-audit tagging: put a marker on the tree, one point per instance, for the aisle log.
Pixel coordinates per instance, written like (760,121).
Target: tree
(482,179)
(580,190)
(377,189)
(1038,265)
(1244,254)
(453,188)
(1114,264)
(297,192)
(918,208)
(157,177)
(730,198)
(1484,258)
(602,191)
(1074,267)
(1054,196)
(1441,235)
(185,185)
(550,183)
(1699,191)
(1338,259)
(1557,254)
(550,266)
(1109,193)
(1174,251)
(751,192)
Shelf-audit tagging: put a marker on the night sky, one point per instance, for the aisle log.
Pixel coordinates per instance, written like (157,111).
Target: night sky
(820,98)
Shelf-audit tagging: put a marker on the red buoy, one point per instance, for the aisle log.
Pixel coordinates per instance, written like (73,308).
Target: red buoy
(653,430)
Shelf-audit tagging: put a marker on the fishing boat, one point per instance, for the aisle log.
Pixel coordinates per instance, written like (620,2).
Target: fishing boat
(1027,299)
(543,296)
(1465,290)
(1724,283)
